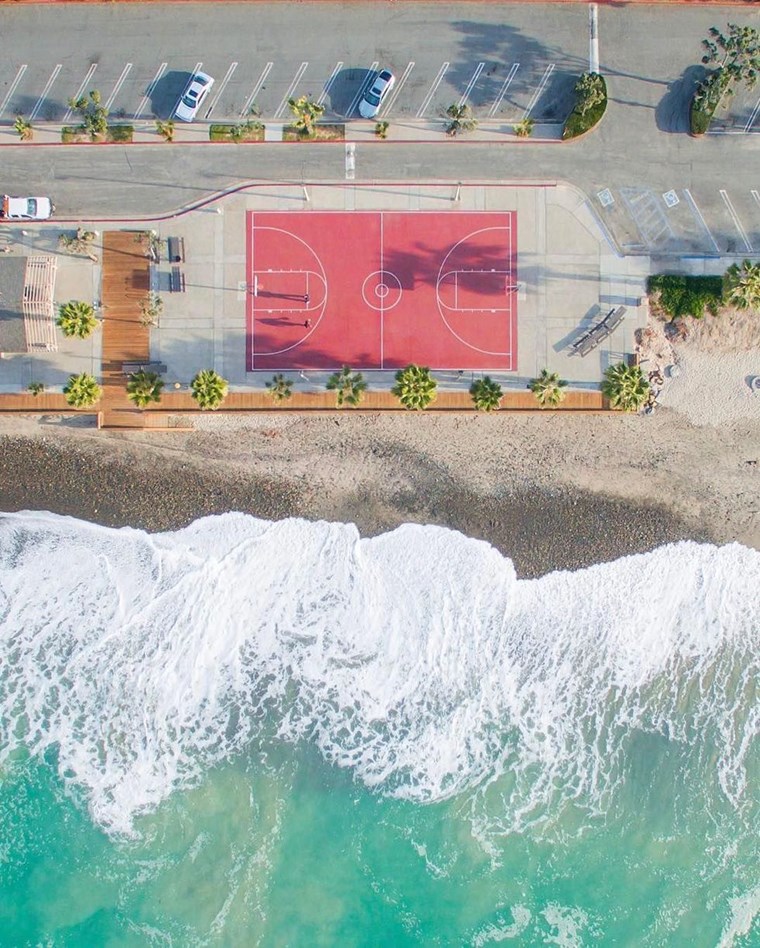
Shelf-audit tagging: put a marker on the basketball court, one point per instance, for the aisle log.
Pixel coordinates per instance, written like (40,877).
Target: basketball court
(378,290)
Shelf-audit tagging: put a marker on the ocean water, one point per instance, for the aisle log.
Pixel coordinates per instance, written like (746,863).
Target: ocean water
(255,733)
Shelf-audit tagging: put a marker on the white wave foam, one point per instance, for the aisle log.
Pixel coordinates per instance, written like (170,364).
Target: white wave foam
(415,658)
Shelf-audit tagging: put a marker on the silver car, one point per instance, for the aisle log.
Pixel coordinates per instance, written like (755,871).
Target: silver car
(373,97)
(193,97)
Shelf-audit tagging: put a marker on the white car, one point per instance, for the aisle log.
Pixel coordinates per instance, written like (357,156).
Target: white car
(26,208)
(373,97)
(193,97)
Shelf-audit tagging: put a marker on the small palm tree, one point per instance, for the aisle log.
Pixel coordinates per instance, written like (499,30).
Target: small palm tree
(144,388)
(741,285)
(35,388)
(524,129)
(625,386)
(486,394)
(150,309)
(165,129)
(548,389)
(349,387)
(381,129)
(82,391)
(415,387)
(280,388)
(589,90)
(79,243)
(77,319)
(94,115)
(462,120)
(24,128)
(209,389)
(306,113)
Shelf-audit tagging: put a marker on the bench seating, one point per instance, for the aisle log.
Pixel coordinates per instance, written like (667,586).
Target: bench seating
(129,368)
(176,280)
(176,249)
(592,337)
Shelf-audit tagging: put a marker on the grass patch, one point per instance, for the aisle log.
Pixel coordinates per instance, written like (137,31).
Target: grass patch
(676,295)
(322,133)
(578,123)
(120,133)
(705,101)
(75,134)
(235,133)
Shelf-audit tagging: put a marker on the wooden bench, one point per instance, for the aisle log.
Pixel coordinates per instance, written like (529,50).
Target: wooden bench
(176,249)
(176,281)
(129,368)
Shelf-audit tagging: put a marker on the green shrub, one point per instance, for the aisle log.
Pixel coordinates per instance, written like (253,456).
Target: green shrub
(680,295)
(415,387)
(251,131)
(706,100)
(590,105)
(120,133)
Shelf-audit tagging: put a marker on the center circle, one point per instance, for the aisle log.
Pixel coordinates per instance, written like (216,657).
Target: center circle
(382,290)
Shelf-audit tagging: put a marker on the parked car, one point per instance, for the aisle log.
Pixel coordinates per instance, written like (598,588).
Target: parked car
(26,208)
(193,97)
(373,97)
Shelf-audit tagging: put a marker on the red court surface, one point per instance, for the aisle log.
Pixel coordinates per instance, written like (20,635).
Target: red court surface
(378,290)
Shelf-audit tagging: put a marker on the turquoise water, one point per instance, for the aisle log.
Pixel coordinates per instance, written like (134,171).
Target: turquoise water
(277,734)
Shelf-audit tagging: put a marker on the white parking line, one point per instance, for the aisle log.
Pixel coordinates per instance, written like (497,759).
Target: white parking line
(429,97)
(38,104)
(330,81)
(249,102)
(14,84)
(503,91)
(471,83)
(222,87)
(391,100)
(700,218)
(119,83)
(755,195)
(747,127)
(737,222)
(537,94)
(291,89)
(362,88)
(593,38)
(149,91)
(81,89)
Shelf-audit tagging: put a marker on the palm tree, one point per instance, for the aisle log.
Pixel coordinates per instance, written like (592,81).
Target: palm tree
(79,243)
(209,389)
(349,387)
(486,394)
(415,387)
(35,388)
(280,388)
(144,387)
(741,285)
(82,391)
(462,119)
(524,128)
(306,113)
(24,128)
(625,386)
(77,319)
(548,389)
(165,129)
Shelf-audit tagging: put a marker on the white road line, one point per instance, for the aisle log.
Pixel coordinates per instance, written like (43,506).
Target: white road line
(429,97)
(503,91)
(350,161)
(471,83)
(391,100)
(747,127)
(119,83)
(362,88)
(81,89)
(249,102)
(149,91)
(735,218)
(14,84)
(291,88)
(593,38)
(38,105)
(330,81)
(221,88)
(537,94)
(700,218)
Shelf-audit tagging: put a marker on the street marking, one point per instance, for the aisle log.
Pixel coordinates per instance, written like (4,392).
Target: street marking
(350,161)
(429,97)
(14,84)
(222,87)
(537,94)
(747,127)
(256,89)
(330,81)
(119,83)
(80,90)
(149,91)
(755,195)
(363,88)
(471,83)
(503,91)
(291,88)
(701,219)
(391,100)
(38,105)
(593,38)
(670,198)
(735,218)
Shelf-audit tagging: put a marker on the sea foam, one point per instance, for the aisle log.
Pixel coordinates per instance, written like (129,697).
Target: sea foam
(416,659)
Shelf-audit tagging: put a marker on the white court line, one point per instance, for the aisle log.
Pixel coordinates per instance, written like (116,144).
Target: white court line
(38,105)
(471,83)
(256,89)
(221,88)
(80,90)
(532,104)
(503,91)
(149,91)
(382,301)
(291,88)
(7,99)
(363,88)
(747,127)
(737,222)
(119,83)
(701,219)
(391,100)
(326,91)
(429,97)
